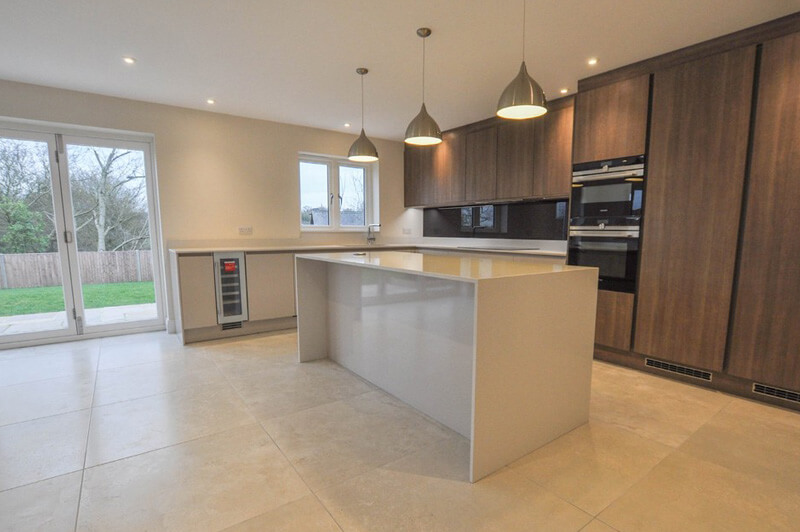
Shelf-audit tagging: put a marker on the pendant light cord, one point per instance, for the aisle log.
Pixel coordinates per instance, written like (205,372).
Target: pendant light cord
(524,5)
(423,70)
(362,101)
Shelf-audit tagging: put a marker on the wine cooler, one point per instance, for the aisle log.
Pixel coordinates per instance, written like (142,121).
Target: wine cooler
(231,279)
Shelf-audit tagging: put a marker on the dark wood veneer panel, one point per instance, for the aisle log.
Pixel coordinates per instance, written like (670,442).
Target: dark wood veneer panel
(417,170)
(611,121)
(449,164)
(614,319)
(481,164)
(765,336)
(515,146)
(696,166)
(552,160)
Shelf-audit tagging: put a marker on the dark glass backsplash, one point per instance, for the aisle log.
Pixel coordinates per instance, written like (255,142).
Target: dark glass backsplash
(535,220)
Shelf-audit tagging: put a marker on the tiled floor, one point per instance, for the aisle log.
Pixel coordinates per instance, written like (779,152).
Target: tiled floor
(141,433)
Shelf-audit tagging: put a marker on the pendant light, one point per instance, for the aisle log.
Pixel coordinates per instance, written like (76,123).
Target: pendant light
(523,98)
(362,150)
(423,130)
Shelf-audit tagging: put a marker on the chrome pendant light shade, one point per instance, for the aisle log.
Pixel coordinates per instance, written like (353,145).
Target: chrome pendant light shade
(523,98)
(362,150)
(423,129)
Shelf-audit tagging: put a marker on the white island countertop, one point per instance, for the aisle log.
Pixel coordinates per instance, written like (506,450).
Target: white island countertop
(453,267)
(498,350)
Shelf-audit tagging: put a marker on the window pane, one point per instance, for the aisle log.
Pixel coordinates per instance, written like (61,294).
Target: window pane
(352,193)
(314,193)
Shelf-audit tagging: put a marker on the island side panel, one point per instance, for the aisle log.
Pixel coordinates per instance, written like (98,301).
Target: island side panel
(411,335)
(533,363)
(311,295)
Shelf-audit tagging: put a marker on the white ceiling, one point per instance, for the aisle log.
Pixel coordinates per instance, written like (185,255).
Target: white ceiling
(294,61)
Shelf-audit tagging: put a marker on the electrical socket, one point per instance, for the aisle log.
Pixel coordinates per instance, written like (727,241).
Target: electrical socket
(245,230)
(406,230)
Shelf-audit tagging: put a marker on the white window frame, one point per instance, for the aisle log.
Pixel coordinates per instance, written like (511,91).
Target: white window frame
(371,194)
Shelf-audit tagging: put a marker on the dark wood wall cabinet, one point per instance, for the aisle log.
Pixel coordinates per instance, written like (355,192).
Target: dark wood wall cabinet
(695,176)
(481,181)
(494,160)
(611,121)
(552,158)
(765,336)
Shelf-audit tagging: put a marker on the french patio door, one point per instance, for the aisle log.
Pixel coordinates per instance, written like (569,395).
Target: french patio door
(79,252)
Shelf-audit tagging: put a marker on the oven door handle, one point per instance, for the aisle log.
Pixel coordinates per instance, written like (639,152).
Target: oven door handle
(605,234)
(606,176)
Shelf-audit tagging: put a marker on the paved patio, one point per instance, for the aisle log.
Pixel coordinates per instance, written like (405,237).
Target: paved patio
(52,321)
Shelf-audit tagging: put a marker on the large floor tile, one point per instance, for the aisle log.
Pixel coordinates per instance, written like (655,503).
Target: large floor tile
(446,459)
(758,440)
(142,380)
(48,366)
(653,407)
(42,448)
(49,505)
(592,465)
(306,514)
(387,499)
(598,526)
(286,388)
(207,484)
(49,349)
(131,427)
(121,351)
(687,494)
(32,400)
(330,443)
(243,358)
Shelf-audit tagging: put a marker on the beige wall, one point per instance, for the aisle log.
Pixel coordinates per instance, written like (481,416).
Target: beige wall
(217,172)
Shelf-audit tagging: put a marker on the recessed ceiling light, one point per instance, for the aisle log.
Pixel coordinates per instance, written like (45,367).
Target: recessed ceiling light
(347,124)
(592,61)
(129,60)
(211,101)
(564,91)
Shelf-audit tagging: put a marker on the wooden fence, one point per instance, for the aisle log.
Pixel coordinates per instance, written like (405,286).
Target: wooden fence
(26,270)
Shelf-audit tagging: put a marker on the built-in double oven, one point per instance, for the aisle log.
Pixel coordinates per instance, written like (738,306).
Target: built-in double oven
(605,218)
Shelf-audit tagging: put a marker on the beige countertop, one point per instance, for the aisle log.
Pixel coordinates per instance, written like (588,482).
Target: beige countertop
(458,267)
(381,247)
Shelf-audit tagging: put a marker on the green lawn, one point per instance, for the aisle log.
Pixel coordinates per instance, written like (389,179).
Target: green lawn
(14,301)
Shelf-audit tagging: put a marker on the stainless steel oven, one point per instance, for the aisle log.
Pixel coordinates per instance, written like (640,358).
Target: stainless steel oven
(605,218)
(608,194)
(616,253)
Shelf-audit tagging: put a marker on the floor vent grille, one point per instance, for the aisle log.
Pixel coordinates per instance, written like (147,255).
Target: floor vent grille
(232,325)
(780,393)
(676,368)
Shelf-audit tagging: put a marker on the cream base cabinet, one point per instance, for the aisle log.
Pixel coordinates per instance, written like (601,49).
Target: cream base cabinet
(198,300)
(270,285)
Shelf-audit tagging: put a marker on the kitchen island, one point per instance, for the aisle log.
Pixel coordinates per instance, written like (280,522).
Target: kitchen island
(499,351)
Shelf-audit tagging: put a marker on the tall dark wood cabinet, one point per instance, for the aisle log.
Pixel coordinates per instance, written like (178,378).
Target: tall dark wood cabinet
(611,121)
(481,161)
(552,158)
(695,176)
(765,336)
(515,158)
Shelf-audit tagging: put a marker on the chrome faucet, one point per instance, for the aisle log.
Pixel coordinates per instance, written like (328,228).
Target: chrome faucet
(371,234)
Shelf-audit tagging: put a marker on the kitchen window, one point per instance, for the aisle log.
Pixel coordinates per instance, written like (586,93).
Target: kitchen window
(337,194)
